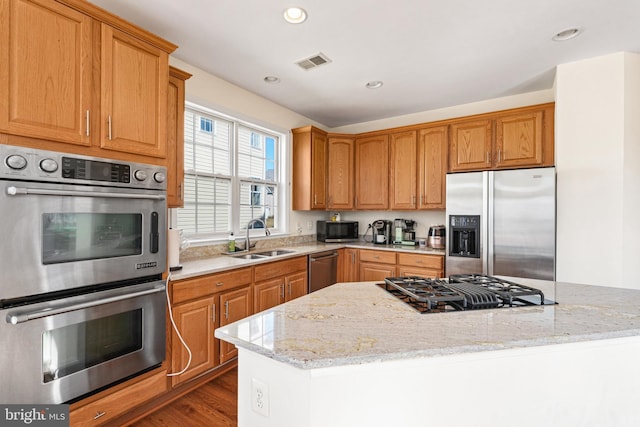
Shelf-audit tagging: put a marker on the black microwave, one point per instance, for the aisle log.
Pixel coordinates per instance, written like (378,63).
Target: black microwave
(337,231)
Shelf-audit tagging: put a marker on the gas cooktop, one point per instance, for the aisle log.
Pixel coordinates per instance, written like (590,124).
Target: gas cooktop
(462,292)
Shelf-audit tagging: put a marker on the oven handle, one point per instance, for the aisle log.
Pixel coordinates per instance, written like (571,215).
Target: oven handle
(20,317)
(15,191)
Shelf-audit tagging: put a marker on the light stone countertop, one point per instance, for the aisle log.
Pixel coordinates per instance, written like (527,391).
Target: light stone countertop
(220,263)
(355,323)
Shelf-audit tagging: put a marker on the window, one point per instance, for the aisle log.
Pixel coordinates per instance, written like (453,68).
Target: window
(231,176)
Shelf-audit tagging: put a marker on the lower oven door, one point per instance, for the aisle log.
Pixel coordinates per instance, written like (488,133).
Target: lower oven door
(57,351)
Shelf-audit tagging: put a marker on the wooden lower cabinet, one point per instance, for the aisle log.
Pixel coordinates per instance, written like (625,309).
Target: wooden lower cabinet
(350,265)
(234,305)
(200,305)
(376,265)
(279,282)
(364,265)
(196,322)
(115,403)
(422,265)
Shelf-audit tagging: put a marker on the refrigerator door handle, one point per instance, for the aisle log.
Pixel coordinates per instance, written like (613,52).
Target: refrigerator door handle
(488,253)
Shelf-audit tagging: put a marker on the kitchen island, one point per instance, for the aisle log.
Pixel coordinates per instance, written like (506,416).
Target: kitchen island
(353,355)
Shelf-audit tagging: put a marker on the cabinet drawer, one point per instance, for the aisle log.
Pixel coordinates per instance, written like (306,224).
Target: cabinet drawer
(184,290)
(382,257)
(434,262)
(280,268)
(405,271)
(119,402)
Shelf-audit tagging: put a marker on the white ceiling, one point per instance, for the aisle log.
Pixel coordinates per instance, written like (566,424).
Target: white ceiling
(429,53)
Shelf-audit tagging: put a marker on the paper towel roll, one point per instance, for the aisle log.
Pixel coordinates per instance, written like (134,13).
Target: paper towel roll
(173,247)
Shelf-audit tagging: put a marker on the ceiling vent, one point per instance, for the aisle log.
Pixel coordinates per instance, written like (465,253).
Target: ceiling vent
(313,61)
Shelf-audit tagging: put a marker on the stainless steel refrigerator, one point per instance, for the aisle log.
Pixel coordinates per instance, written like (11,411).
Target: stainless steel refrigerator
(502,223)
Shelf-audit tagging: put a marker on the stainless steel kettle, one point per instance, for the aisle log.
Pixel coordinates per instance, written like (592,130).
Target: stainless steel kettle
(436,238)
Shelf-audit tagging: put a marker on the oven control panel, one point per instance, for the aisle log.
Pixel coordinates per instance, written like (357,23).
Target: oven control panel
(30,164)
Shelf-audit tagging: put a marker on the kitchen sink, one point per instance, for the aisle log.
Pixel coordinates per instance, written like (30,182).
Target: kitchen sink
(250,256)
(275,252)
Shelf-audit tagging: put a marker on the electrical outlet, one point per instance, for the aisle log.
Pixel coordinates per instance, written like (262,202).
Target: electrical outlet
(309,225)
(259,397)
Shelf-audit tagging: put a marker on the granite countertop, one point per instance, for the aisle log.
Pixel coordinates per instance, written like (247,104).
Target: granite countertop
(218,263)
(355,323)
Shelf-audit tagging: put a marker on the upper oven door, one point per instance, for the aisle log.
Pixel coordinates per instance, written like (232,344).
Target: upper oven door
(58,237)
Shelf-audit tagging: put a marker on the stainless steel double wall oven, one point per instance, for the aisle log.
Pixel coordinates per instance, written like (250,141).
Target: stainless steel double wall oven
(83,250)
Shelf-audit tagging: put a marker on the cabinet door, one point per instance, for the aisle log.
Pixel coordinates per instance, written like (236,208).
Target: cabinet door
(519,140)
(402,182)
(372,172)
(309,169)
(135,77)
(471,145)
(376,272)
(295,285)
(351,262)
(268,294)
(45,71)
(234,305)
(175,138)
(196,322)
(319,170)
(432,167)
(340,173)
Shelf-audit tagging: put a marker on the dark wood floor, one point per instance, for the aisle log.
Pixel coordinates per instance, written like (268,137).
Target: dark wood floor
(214,405)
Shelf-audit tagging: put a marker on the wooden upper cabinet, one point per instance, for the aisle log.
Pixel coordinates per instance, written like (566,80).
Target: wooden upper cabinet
(471,145)
(135,77)
(309,174)
(175,137)
(81,80)
(340,173)
(519,140)
(432,167)
(372,172)
(46,80)
(402,179)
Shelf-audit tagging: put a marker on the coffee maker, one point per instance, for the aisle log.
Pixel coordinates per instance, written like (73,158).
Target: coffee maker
(403,232)
(381,232)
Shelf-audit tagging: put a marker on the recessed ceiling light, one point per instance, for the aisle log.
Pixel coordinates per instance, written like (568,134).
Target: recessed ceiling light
(567,34)
(295,15)
(271,79)
(375,84)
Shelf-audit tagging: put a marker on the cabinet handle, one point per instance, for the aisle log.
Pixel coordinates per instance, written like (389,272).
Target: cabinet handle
(356,201)
(282,290)
(180,197)
(213,313)
(488,158)
(290,293)
(499,156)
(88,123)
(413,200)
(220,284)
(109,127)
(226,310)
(353,258)
(99,415)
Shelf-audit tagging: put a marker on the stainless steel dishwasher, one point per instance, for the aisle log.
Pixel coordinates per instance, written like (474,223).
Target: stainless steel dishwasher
(323,268)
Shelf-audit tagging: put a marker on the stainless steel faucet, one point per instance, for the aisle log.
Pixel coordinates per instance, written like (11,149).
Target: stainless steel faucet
(247,243)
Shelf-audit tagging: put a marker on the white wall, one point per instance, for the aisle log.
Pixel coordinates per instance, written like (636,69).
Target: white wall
(212,92)
(597,102)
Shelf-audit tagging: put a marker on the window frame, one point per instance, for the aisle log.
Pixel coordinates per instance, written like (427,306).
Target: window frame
(281,216)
